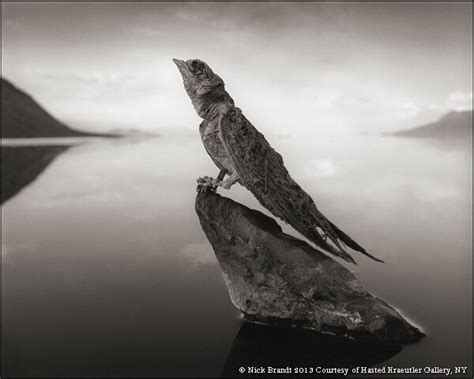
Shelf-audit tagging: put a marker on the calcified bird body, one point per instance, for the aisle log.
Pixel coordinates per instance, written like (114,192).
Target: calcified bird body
(242,153)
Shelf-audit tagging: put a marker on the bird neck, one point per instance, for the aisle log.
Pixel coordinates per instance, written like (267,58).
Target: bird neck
(207,104)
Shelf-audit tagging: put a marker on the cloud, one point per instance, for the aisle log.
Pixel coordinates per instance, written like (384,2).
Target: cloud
(459,101)
(100,78)
(321,168)
(145,31)
(198,253)
(99,99)
(324,168)
(455,101)
(305,64)
(407,109)
(326,98)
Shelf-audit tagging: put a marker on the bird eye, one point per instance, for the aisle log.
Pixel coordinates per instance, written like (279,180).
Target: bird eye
(195,66)
(198,68)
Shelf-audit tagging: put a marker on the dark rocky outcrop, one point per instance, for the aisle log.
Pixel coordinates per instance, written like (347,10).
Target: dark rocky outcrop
(453,125)
(275,278)
(23,117)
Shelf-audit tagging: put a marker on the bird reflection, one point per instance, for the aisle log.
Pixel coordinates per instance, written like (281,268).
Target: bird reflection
(264,346)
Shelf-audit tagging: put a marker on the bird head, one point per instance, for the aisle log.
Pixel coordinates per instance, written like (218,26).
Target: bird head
(199,80)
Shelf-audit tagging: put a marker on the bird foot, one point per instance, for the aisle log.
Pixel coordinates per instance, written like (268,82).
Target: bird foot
(206,184)
(226,184)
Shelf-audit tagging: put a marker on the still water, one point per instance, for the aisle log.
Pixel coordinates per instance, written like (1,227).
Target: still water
(106,270)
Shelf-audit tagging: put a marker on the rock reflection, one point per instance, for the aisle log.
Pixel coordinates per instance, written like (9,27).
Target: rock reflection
(265,346)
(21,165)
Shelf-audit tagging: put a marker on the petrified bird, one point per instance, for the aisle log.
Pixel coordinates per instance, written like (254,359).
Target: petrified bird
(245,156)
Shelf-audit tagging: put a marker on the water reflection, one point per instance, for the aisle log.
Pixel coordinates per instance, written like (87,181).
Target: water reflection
(267,346)
(108,272)
(21,165)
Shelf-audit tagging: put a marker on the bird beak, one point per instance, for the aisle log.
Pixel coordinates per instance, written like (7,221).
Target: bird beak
(182,66)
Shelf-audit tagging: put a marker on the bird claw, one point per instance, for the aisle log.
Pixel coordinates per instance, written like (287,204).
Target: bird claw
(226,185)
(206,185)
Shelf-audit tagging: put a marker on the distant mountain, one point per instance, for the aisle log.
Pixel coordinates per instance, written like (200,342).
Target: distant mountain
(453,125)
(134,132)
(23,117)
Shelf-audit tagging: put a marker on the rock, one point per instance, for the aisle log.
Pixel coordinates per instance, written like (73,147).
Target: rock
(274,278)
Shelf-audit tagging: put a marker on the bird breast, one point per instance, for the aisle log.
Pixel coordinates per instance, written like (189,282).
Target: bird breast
(210,135)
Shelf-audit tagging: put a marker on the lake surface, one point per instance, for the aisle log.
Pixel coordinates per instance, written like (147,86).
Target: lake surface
(106,271)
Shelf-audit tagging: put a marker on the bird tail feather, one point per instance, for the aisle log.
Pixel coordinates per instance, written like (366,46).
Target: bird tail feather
(351,243)
(336,250)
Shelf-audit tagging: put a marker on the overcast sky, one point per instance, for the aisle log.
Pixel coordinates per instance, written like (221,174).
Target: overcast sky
(317,68)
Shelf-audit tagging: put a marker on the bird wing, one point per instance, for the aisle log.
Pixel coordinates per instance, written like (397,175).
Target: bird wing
(262,171)
(202,126)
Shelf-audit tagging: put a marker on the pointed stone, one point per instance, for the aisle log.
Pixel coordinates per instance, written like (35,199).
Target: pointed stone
(275,278)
